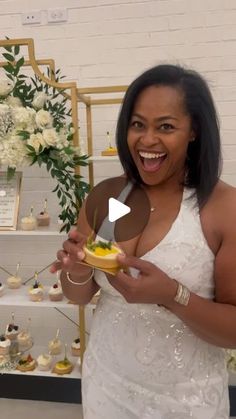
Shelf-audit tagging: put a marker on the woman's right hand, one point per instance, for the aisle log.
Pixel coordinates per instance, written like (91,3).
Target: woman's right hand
(72,253)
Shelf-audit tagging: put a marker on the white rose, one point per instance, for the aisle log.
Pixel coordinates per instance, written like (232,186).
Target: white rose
(39,100)
(22,117)
(36,140)
(14,152)
(6,87)
(14,102)
(43,119)
(50,137)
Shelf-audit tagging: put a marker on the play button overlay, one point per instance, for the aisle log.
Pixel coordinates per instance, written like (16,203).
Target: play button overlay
(117,210)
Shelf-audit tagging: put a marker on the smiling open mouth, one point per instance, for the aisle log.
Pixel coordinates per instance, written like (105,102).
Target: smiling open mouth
(151,162)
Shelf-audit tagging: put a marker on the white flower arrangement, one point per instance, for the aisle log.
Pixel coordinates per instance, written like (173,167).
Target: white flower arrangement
(34,129)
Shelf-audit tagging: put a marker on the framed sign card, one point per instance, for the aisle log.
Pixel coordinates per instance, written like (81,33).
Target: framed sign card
(9,200)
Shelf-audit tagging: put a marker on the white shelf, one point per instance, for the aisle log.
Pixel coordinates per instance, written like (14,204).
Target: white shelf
(74,374)
(103,158)
(35,351)
(20,297)
(41,232)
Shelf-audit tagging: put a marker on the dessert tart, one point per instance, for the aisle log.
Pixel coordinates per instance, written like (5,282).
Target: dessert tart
(5,344)
(111,151)
(26,363)
(2,287)
(44,362)
(75,347)
(55,292)
(63,367)
(102,254)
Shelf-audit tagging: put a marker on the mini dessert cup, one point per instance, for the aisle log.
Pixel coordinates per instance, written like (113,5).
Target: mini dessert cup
(5,344)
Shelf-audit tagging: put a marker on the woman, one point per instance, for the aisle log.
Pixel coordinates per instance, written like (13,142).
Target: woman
(155,345)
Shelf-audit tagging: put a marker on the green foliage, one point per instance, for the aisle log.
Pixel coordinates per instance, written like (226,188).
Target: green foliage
(61,164)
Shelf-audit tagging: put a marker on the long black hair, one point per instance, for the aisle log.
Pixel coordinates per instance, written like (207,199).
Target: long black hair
(203,161)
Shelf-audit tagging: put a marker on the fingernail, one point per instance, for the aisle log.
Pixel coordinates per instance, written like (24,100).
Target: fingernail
(80,254)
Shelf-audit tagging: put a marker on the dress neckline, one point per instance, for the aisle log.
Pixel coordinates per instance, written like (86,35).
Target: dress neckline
(185,195)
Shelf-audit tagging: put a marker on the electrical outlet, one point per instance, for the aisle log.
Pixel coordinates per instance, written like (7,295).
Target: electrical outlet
(57,15)
(29,18)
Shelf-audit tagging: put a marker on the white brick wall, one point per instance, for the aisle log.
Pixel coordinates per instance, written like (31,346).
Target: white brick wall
(107,42)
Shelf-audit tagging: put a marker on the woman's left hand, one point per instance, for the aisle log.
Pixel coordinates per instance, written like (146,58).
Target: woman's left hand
(152,285)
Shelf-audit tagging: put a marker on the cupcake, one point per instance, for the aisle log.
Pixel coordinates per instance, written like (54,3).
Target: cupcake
(29,222)
(5,344)
(44,362)
(55,345)
(26,363)
(55,292)
(43,219)
(2,287)
(36,292)
(102,254)
(14,281)
(75,347)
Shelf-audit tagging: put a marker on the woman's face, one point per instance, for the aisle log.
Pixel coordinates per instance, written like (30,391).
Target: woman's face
(158,135)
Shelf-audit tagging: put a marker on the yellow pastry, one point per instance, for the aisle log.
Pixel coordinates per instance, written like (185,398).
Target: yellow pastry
(102,254)
(63,367)
(111,151)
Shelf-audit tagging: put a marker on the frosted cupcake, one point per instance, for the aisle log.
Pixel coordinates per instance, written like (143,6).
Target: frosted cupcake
(5,344)
(36,292)
(55,292)
(43,219)
(75,347)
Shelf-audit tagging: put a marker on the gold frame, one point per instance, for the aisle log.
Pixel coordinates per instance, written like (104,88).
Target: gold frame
(84,95)
(15,184)
(72,95)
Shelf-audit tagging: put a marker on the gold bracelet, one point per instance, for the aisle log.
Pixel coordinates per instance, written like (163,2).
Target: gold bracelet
(182,295)
(79,283)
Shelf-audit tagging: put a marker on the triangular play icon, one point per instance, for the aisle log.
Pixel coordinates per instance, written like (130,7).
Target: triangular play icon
(116,209)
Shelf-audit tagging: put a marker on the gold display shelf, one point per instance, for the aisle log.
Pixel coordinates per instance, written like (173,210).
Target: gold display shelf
(86,96)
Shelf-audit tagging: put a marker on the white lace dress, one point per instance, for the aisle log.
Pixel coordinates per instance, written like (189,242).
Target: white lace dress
(142,362)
